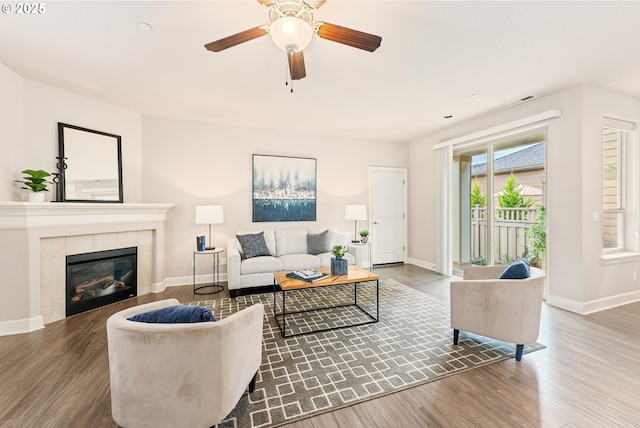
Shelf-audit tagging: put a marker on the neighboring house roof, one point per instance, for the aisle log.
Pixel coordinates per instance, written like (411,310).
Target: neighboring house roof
(530,158)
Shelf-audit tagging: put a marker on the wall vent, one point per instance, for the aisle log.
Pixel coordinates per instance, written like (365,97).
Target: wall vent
(521,100)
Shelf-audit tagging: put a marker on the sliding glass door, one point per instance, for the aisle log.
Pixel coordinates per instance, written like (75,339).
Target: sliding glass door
(498,194)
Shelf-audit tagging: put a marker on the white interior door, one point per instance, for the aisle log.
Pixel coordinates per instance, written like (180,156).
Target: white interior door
(388,214)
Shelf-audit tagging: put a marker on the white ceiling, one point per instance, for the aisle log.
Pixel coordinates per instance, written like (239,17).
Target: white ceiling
(433,57)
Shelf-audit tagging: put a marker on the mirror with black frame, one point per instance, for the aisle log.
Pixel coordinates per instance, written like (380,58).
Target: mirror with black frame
(90,165)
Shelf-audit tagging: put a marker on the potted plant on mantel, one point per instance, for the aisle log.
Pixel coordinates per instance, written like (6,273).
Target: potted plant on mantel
(35,181)
(339,266)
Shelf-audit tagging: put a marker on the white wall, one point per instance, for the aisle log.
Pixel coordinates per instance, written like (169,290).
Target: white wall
(577,278)
(191,163)
(30,115)
(12,140)
(182,162)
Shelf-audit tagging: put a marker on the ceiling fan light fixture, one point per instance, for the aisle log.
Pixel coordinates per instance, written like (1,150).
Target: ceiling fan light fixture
(291,34)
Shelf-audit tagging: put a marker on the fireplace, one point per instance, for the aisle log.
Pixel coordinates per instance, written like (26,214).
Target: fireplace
(100,278)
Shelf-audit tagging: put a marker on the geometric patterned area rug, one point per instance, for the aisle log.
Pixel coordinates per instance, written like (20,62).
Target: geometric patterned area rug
(314,373)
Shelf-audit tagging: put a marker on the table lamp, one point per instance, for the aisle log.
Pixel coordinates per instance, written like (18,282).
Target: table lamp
(209,214)
(355,213)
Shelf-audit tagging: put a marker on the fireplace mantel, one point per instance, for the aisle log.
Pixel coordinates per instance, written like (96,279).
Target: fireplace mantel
(24,226)
(37,215)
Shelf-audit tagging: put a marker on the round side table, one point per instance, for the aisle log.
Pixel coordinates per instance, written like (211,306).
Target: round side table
(215,286)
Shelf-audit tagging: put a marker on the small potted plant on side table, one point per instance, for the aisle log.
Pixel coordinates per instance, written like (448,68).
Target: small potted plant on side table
(339,266)
(364,236)
(35,180)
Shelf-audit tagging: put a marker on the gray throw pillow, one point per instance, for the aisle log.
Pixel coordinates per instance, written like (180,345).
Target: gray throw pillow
(318,243)
(253,245)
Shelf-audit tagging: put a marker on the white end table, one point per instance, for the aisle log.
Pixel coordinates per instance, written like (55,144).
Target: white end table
(215,285)
(363,247)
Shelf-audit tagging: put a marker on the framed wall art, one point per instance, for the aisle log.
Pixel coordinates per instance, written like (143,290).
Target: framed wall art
(284,188)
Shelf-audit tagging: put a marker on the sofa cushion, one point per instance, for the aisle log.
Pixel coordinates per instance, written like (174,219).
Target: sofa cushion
(299,261)
(253,245)
(318,242)
(261,265)
(174,315)
(517,270)
(291,242)
(338,238)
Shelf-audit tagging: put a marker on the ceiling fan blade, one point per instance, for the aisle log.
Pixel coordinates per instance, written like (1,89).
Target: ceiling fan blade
(236,39)
(296,65)
(348,36)
(314,4)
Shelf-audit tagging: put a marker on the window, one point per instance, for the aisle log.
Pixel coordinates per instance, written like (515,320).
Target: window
(616,136)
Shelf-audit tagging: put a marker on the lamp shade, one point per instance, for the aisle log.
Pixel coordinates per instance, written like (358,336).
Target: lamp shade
(291,34)
(355,212)
(209,214)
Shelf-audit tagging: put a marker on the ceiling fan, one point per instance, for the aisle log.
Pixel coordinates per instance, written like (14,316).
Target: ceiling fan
(292,28)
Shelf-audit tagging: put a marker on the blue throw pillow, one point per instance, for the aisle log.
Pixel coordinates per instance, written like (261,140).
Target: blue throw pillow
(517,270)
(175,314)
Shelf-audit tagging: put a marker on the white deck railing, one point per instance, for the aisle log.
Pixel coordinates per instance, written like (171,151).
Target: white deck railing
(509,225)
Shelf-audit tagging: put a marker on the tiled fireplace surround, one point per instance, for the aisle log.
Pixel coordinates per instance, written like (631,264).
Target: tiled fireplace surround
(36,238)
(53,252)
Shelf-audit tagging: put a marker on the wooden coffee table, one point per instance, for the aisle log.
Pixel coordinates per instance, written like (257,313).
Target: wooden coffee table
(355,276)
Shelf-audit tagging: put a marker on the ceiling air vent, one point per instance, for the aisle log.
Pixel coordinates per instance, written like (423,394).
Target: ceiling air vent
(521,100)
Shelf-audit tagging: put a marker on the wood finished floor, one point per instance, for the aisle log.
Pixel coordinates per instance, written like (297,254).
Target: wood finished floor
(588,376)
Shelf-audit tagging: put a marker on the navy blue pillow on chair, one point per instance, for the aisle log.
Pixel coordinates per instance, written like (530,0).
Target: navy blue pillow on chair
(517,270)
(175,314)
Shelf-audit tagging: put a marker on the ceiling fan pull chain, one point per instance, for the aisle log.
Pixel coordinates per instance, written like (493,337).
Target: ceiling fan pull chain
(286,72)
(290,80)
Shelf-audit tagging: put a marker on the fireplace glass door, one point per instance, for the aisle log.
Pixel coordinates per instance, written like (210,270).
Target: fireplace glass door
(100,278)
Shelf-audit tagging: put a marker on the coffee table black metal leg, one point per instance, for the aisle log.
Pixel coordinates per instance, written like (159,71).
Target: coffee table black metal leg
(283,327)
(377,300)
(355,293)
(284,314)
(355,300)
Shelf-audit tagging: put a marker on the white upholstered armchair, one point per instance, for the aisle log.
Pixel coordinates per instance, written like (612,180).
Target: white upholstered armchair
(503,309)
(181,375)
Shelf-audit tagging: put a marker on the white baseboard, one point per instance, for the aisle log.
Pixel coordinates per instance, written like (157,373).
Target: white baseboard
(188,280)
(422,264)
(25,325)
(159,287)
(590,307)
(200,279)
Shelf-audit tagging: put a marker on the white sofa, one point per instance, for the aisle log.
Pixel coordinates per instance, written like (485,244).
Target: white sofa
(289,251)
